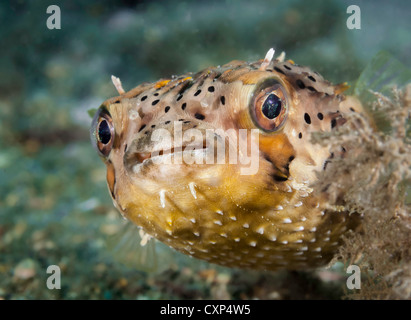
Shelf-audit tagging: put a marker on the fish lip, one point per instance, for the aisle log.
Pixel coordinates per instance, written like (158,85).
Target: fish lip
(144,156)
(159,159)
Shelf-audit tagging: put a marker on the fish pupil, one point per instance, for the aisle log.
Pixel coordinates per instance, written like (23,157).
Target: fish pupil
(104,134)
(272,106)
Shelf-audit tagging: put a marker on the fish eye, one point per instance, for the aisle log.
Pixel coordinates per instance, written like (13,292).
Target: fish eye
(103,132)
(269,108)
(272,106)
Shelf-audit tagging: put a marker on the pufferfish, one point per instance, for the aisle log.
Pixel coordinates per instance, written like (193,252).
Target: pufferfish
(269,219)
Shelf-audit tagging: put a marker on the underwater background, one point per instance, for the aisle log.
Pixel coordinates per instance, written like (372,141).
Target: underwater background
(55,208)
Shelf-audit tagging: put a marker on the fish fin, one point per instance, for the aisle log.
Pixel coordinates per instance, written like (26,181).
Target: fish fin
(135,249)
(91,112)
(381,75)
(125,246)
(341,87)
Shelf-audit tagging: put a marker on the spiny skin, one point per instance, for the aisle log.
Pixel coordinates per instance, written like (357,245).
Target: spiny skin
(270,220)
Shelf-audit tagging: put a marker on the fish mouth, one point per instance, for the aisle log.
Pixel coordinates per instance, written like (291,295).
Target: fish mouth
(168,156)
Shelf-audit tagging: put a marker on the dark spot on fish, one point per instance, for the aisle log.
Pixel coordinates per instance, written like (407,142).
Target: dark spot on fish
(143,98)
(217,76)
(307,118)
(200,82)
(222,99)
(141,113)
(279,70)
(320,116)
(279,178)
(156,94)
(300,135)
(343,150)
(183,106)
(125,148)
(311,78)
(199,116)
(326,187)
(325,164)
(186,85)
(333,123)
(167,109)
(197,93)
(300,84)
(211,89)
(287,67)
(146,132)
(118,101)
(352,109)
(142,127)
(188,121)
(155,102)
(180,119)
(287,166)
(311,89)
(179,97)
(153,126)
(167,122)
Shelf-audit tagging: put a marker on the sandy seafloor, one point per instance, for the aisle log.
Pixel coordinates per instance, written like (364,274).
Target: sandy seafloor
(54,205)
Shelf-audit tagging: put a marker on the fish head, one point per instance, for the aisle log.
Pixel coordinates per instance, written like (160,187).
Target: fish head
(219,164)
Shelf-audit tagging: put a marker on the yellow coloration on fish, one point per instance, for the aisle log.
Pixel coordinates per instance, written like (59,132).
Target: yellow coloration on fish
(272,219)
(161,84)
(340,88)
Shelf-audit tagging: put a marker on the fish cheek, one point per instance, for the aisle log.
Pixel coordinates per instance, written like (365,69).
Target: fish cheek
(111,178)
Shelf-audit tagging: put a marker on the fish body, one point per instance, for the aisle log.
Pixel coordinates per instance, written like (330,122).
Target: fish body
(224,211)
